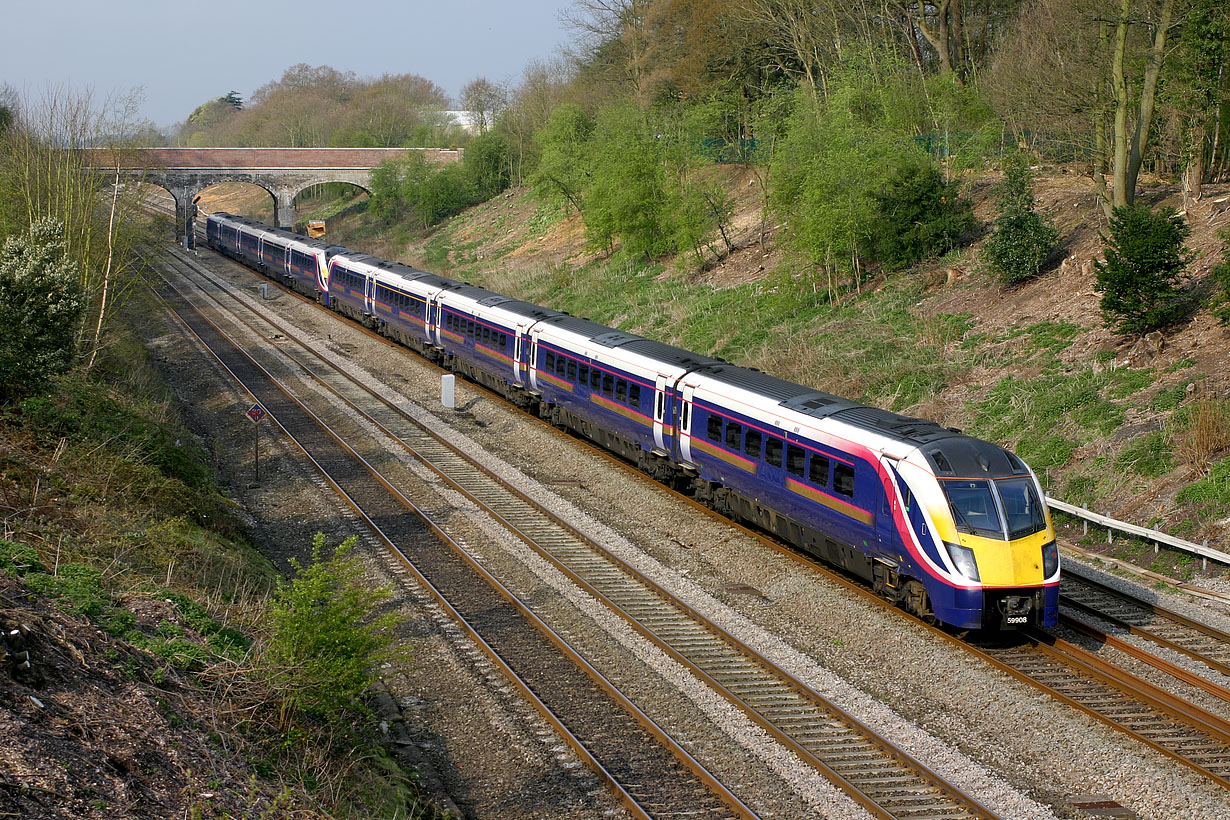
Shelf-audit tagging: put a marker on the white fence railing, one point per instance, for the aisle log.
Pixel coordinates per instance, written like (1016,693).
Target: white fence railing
(1203,550)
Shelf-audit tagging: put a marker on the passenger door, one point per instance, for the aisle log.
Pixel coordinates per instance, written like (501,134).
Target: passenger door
(519,347)
(660,405)
(369,294)
(533,361)
(685,424)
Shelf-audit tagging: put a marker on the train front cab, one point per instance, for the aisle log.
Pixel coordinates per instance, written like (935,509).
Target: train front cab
(1000,537)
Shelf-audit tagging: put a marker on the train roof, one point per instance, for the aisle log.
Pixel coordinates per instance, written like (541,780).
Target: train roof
(949,451)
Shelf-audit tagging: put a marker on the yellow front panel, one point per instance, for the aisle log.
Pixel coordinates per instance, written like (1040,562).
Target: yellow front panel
(1009,564)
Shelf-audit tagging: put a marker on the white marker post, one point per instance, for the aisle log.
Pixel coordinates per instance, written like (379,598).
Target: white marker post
(448,391)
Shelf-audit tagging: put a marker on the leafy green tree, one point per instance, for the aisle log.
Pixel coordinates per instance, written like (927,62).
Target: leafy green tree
(828,166)
(563,167)
(487,163)
(1023,239)
(625,198)
(918,215)
(326,638)
(41,309)
(1139,277)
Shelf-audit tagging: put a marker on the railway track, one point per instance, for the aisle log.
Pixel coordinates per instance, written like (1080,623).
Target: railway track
(1194,737)
(1179,730)
(653,775)
(1163,627)
(884,779)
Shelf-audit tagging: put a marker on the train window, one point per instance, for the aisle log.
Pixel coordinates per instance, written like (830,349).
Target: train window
(583,374)
(550,361)
(560,364)
(608,383)
(818,470)
(773,451)
(634,395)
(503,341)
(734,435)
(686,422)
(843,479)
(751,444)
(621,390)
(715,427)
(470,328)
(796,460)
(572,370)
(595,378)
(486,333)
(660,405)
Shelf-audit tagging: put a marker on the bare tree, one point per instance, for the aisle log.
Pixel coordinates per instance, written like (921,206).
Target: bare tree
(484,100)
(615,34)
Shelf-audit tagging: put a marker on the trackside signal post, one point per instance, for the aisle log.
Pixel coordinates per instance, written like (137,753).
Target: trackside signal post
(256,413)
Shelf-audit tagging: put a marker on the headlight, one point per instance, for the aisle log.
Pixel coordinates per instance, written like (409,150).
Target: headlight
(1050,559)
(963,557)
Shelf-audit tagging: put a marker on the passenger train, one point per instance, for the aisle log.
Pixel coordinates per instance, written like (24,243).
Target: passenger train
(949,527)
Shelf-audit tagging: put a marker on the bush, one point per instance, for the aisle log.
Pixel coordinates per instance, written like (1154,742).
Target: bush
(1023,240)
(1139,277)
(79,585)
(326,640)
(917,215)
(41,305)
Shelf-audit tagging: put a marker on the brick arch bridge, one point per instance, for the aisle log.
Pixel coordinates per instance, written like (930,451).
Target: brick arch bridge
(283,172)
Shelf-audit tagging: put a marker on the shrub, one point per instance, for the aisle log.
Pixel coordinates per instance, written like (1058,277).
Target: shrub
(79,585)
(41,305)
(1023,240)
(325,638)
(917,215)
(18,559)
(1139,277)
(563,169)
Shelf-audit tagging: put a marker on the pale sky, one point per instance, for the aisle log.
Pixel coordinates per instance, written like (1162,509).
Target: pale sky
(182,54)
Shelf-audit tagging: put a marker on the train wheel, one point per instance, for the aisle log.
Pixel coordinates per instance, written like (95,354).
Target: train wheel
(916,602)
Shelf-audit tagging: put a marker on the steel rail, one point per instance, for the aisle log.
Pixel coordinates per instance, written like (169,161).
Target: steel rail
(1164,627)
(633,802)
(829,739)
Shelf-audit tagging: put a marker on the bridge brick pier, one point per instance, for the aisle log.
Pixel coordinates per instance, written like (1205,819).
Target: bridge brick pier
(283,172)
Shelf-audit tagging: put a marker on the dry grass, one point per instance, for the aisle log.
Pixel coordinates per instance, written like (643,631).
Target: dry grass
(1201,433)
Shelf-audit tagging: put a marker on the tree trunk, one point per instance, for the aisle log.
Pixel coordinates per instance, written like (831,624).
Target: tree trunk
(939,38)
(1193,174)
(1122,195)
(1148,93)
